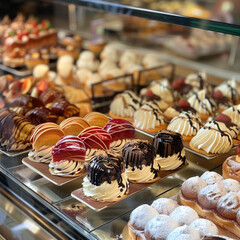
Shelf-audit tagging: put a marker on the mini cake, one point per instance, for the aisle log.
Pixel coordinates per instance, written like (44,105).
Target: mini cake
(203,103)
(96,119)
(234,113)
(231,166)
(70,50)
(121,132)
(73,125)
(230,89)
(164,205)
(214,137)
(73,40)
(141,166)
(68,157)
(44,137)
(197,80)
(169,149)
(182,106)
(106,180)
(95,138)
(124,105)
(187,124)
(149,118)
(35,57)
(222,102)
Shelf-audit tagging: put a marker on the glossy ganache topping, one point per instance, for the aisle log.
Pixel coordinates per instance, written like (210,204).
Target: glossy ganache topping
(106,167)
(167,143)
(137,153)
(120,129)
(69,148)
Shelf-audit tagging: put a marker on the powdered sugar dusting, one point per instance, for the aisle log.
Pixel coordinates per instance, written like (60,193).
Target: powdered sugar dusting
(164,205)
(184,215)
(231,185)
(184,233)
(211,177)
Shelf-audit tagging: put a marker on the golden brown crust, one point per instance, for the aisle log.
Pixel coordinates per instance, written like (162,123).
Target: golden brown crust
(200,150)
(229,172)
(187,138)
(153,130)
(112,115)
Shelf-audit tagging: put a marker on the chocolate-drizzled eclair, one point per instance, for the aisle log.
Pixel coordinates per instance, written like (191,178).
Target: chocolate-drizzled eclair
(141,166)
(106,180)
(169,149)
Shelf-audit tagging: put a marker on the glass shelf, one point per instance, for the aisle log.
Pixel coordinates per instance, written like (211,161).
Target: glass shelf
(220,25)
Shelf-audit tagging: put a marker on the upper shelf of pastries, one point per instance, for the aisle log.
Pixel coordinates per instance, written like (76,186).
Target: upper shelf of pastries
(219,16)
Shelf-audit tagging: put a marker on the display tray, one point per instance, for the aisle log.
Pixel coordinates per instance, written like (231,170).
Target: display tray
(43,170)
(133,188)
(23,71)
(15,153)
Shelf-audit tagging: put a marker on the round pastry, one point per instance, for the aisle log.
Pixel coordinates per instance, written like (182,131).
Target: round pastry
(96,119)
(87,60)
(187,124)
(149,118)
(110,52)
(197,80)
(182,106)
(204,227)
(228,205)
(121,132)
(73,125)
(231,166)
(124,105)
(95,138)
(140,216)
(184,233)
(170,149)
(203,103)
(184,215)
(160,227)
(214,137)
(139,157)
(68,157)
(231,185)
(211,177)
(234,113)
(164,205)
(192,186)
(208,197)
(40,72)
(106,180)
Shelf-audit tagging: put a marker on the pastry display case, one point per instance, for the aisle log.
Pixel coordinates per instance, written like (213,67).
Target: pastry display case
(177,42)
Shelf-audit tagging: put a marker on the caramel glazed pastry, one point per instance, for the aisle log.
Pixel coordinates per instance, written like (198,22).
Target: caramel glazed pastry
(214,198)
(106,180)
(170,150)
(139,157)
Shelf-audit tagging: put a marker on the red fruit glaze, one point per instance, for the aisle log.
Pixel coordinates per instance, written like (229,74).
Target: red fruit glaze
(222,118)
(149,93)
(120,129)
(96,138)
(218,94)
(69,148)
(183,103)
(181,81)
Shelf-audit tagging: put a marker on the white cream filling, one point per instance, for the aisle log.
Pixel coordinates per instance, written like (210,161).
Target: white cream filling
(43,155)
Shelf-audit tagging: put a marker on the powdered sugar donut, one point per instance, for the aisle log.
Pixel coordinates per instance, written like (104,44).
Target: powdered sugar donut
(211,177)
(184,233)
(164,205)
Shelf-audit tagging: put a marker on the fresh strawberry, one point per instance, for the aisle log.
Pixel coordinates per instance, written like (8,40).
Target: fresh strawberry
(183,103)
(223,118)
(149,93)
(175,85)
(20,35)
(181,81)
(218,94)
(34,24)
(36,31)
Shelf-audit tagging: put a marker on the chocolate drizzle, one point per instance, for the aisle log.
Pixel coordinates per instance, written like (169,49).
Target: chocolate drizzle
(106,169)
(137,153)
(184,109)
(167,143)
(154,108)
(233,93)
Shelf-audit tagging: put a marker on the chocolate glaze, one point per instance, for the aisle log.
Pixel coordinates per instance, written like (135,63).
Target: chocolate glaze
(41,115)
(233,94)
(223,101)
(62,107)
(106,169)
(184,89)
(184,109)
(50,95)
(150,98)
(137,153)
(167,143)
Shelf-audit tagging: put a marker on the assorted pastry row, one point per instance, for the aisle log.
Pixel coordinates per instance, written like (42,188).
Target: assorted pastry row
(108,153)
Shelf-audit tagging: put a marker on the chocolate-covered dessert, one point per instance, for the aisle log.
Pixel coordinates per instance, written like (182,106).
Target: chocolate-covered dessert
(169,149)
(106,179)
(139,156)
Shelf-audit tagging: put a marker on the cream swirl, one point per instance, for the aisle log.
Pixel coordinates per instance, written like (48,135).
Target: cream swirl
(186,124)
(144,174)
(149,116)
(66,168)
(106,191)
(125,104)
(117,145)
(44,155)
(202,103)
(234,113)
(212,139)
(197,80)
(162,88)
(172,162)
